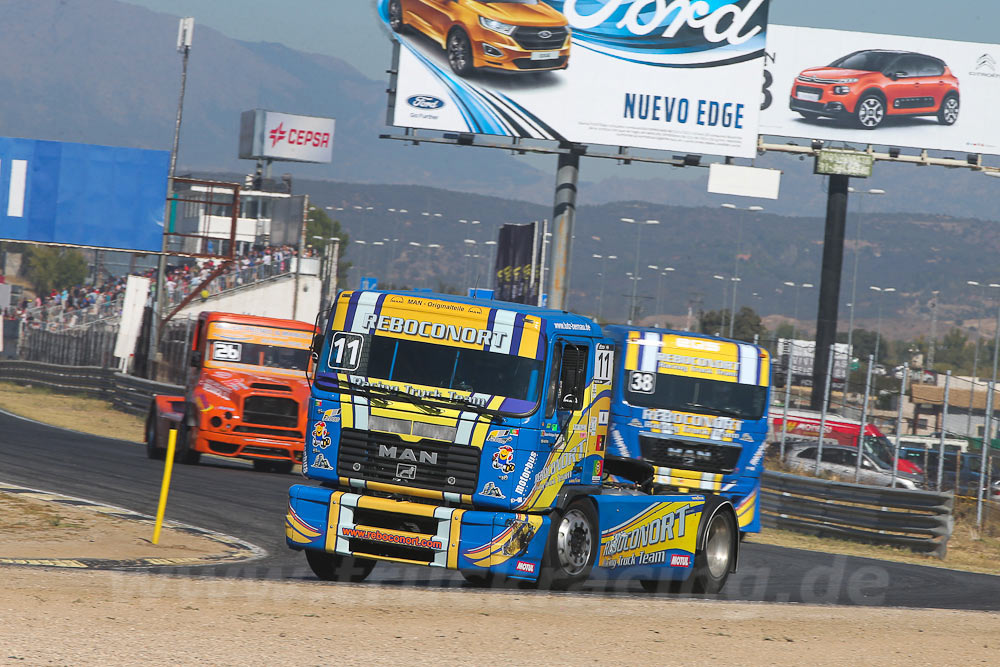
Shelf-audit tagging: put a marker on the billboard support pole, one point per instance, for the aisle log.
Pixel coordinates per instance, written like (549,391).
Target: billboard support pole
(829,287)
(563,216)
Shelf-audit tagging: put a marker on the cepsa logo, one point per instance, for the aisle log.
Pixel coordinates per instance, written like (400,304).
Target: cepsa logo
(425,102)
(296,137)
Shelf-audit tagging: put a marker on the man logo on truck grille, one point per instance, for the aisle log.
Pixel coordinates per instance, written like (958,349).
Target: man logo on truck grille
(407,454)
(406,471)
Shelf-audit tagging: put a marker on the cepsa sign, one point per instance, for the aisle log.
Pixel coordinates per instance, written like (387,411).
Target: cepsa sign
(281,136)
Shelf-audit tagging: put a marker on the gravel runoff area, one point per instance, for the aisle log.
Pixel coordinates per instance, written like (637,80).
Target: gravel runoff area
(83,616)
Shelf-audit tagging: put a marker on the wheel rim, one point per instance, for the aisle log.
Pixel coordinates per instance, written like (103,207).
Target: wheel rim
(870,113)
(395,15)
(951,110)
(574,542)
(718,548)
(457,52)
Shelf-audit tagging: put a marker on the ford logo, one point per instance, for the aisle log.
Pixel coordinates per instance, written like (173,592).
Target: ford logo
(424,102)
(545,34)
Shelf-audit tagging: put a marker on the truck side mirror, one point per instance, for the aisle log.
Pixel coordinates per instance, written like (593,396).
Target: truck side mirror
(196,359)
(316,347)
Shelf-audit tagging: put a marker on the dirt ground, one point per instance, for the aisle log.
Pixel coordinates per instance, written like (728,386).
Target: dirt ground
(118,618)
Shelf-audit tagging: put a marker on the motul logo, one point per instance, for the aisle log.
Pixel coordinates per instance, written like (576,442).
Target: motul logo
(299,137)
(680,561)
(523,566)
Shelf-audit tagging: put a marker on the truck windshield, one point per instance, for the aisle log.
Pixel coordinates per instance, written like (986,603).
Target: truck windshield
(675,392)
(257,354)
(879,448)
(461,369)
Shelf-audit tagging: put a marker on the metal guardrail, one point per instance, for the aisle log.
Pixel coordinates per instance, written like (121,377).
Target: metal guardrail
(126,393)
(918,520)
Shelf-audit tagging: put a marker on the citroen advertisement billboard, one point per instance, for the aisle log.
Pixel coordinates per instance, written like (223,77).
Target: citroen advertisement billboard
(887,90)
(681,75)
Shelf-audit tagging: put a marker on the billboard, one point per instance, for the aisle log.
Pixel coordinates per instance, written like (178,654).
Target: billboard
(886,90)
(269,135)
(515,262)
(82,194)
(799,355)
(682,76)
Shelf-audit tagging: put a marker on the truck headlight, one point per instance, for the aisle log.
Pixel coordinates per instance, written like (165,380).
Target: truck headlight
(497,26)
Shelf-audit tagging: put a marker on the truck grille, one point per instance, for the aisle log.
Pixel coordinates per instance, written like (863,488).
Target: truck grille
(271,411)
(685,455)
(532,39)
(426,464)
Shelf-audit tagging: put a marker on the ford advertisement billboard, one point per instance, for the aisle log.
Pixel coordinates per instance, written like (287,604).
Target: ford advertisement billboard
(681,75)
(886,90)
(82,194)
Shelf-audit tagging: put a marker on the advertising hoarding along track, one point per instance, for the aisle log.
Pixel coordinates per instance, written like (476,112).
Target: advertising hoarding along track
(82,194)
(886,90)
(682,76)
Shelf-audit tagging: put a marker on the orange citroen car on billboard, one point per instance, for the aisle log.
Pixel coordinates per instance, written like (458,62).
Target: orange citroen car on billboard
(866,87)
(512,35)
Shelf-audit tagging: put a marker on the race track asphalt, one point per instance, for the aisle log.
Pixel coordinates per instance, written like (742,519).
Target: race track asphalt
(233,499)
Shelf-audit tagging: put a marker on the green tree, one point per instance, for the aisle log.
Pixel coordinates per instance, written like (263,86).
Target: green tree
(50,268)
(746,325)
(318,223)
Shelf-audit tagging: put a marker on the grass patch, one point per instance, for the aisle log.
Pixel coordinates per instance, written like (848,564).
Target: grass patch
(72,411)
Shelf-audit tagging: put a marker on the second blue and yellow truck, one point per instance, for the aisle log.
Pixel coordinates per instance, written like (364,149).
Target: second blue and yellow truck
(473,435)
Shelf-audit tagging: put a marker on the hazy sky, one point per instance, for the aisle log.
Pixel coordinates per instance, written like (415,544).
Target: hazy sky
(348,29)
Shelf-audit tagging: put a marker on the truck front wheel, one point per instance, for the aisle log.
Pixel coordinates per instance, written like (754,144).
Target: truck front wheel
(334,567)
(572,547)
(713,563)
(185,454)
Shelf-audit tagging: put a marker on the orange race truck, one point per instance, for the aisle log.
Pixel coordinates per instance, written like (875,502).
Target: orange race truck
(246,397)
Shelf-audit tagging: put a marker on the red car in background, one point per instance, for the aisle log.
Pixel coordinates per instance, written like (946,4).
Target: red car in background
(866,87)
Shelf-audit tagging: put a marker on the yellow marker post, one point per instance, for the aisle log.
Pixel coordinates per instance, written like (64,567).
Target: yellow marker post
(165,486)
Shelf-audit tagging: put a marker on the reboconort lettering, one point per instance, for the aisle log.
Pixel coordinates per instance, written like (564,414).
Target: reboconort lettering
(672,417)
(436,330)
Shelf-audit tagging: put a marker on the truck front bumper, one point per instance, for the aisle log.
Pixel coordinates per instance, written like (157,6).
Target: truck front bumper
(351,524)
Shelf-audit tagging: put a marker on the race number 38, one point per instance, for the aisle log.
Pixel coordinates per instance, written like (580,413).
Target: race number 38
(642,383)
(223,351)
(345,351)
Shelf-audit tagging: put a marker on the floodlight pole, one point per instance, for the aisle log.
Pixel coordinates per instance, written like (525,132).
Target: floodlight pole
(184,37)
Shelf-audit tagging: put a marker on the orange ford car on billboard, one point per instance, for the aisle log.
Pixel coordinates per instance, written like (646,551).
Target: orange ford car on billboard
(513,35)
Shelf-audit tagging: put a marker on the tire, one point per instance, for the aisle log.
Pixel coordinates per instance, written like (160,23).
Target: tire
(396,21)
(948,113)
(715,559)
(152,451)
(459,53)
(572,547)
(870,112)
(334,567)
(183,453)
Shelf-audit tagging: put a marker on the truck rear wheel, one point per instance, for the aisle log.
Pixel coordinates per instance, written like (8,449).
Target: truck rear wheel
(571,548)
(334,567)
(152,451)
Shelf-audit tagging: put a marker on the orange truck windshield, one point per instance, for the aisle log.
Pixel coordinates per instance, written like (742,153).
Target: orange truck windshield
(266,347)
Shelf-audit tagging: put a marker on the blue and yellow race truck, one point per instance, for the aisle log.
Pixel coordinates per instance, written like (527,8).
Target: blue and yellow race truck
(471,435)
(695,408)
